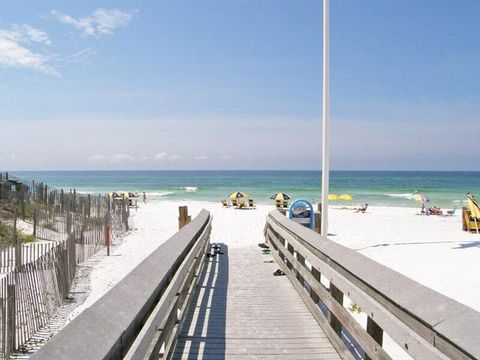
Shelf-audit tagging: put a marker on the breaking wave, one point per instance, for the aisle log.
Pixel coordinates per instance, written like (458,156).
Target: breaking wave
(404,196)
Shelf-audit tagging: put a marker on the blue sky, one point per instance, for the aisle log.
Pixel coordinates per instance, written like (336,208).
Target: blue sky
(237,84)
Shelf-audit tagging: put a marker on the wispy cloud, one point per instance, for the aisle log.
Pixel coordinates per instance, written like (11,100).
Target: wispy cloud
(100,22)
(126,158)
(166,156)
(201,157)
(14,51)
(114,159)
(226,157)
(80,56)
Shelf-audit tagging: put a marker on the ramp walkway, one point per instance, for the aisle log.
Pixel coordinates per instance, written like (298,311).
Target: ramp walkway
(239,310)
(185,302)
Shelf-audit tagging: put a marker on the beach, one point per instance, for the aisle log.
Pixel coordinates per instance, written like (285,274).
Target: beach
(432,250)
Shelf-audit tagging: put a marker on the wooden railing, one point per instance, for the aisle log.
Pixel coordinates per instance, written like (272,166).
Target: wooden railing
(424,323)
(139,317)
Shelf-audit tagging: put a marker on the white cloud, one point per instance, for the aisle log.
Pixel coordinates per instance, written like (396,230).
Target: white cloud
(174,157)
(28,33)
(121,158)
(114,159)
(160,156)
(100,22)
(201,157)
(226,157)
(166,156)
(97,158)
(13,52)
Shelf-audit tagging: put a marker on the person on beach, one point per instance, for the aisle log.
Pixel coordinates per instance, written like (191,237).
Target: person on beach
(144,198)
(362,209)
(434,210)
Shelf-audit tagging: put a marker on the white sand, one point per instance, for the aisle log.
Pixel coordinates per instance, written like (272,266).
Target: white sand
(432,250)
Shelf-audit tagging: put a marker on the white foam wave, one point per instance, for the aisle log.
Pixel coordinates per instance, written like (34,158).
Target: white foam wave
(159,193)
(405,196)
(190,188)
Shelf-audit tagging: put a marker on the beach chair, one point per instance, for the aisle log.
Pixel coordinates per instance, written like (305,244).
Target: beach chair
(234,202)
(278,203)
(225,203)
(285,204)
(251,203)
(241,203)
(471,215)
(452,212)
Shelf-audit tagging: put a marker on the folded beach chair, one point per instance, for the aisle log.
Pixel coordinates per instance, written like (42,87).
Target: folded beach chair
(251,203)
(225,203)
(471,215)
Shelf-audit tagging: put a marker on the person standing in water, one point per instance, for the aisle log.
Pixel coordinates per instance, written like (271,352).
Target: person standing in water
(144,198)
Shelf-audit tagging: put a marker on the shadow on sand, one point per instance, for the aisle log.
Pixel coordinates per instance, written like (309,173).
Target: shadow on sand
(460,244)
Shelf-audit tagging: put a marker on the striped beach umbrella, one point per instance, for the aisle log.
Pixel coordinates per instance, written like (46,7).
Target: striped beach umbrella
(281,197)
(238,195)
(421,198)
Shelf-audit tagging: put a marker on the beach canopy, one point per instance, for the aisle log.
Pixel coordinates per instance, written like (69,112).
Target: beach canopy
(345,197)
(473,205)
(332,197)
(238,195)
(281,197)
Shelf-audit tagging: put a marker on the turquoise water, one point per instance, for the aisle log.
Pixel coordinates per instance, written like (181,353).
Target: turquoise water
(390,188)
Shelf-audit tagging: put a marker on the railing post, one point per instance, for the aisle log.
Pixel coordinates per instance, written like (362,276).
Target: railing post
(11,321)
(107,240)
(184,218)
(375,331)
(334,322)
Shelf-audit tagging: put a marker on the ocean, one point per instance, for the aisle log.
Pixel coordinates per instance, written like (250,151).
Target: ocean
(381,188)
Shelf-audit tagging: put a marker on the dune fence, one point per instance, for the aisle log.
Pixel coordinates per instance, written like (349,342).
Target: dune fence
(44,234)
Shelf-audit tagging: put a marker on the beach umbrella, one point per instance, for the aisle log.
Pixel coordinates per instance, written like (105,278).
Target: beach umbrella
(333,197)
(345,197)
(281,197)
(238,195)
(421,198)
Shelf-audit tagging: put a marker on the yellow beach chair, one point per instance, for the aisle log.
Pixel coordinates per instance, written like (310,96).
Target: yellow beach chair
(234,202)
(241,203)
(285,204)
(471,215)
(278,203)
(251,203)
(225,203)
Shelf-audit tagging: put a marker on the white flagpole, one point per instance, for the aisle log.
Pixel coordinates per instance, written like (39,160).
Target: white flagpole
(326,90)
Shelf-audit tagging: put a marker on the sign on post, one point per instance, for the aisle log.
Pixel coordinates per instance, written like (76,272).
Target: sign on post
(301,211)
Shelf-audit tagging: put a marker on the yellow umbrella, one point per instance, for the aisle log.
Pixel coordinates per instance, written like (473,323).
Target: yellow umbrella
(238,195)
(345,197)
(332,197)
(281,197)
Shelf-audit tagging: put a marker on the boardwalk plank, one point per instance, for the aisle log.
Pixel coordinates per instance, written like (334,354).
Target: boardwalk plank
(239,310)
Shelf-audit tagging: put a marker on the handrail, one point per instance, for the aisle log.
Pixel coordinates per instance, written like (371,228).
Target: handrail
(426,324)
(116,322)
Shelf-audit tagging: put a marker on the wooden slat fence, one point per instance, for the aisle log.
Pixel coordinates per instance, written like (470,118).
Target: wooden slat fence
(35,278)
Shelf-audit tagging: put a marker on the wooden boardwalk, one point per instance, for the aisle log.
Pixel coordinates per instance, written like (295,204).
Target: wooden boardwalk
(239,310)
